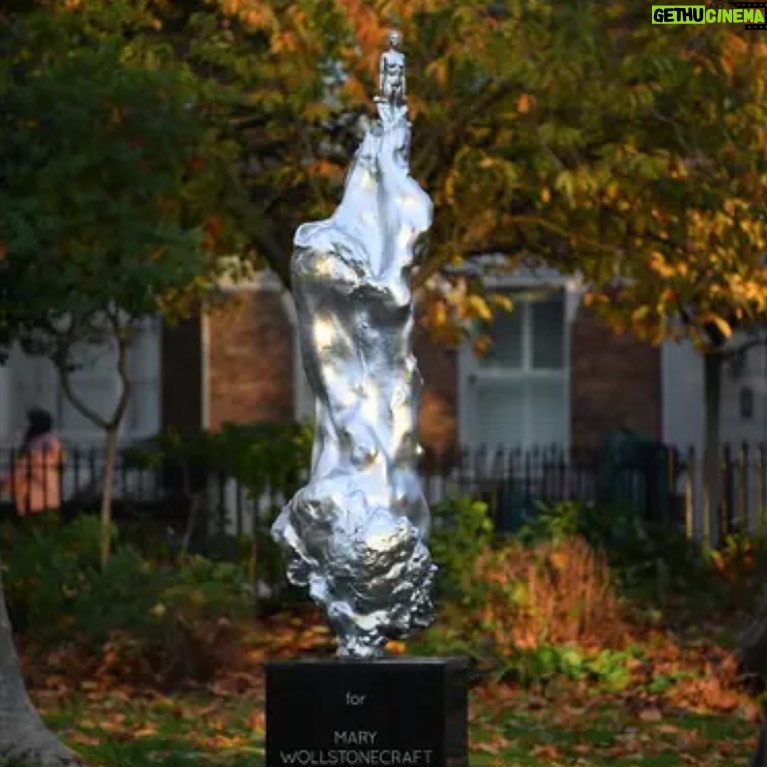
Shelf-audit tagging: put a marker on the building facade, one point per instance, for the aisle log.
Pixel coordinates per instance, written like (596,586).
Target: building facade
(554,375)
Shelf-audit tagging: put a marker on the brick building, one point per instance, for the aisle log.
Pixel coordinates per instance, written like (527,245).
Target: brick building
(555,375)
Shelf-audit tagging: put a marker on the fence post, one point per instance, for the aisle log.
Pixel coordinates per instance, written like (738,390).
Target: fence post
(223,517)
(497,485)
(725,505)
(670,489)
(238,505)
(123,469)
(92,463)
(709,464)
(447,461)
(75,472)
(689,493)
(759,489)
(743,515)
(462,473)
(528,475)
(60,478)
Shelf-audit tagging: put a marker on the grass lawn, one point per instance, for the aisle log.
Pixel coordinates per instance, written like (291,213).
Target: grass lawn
(508,729)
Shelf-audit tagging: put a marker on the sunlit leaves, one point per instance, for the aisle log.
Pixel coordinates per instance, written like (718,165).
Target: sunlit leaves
(573,133)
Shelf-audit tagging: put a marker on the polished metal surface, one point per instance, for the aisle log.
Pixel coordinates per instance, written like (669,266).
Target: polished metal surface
(356,533)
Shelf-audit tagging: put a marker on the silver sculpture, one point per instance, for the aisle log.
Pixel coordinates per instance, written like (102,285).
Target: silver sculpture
(391,73)
(355,534)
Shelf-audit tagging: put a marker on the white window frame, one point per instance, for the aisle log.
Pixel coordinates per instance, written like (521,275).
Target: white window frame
(127,432)
(150,378)
(92,433)
(470,371)
(23,371)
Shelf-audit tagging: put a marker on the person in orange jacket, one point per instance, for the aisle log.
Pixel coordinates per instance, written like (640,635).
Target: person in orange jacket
(34,480)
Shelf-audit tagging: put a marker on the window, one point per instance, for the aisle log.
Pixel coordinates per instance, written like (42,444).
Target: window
(144,364)
(517,394)
(531,336)
(746,402)
(34,382)
(93,382)
(97,383)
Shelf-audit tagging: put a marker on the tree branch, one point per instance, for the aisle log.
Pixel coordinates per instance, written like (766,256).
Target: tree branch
(122,337)
(77,403)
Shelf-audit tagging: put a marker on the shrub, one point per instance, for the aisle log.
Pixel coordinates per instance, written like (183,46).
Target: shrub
(148,619)
(653,564)
(556,593)
(201,589)
(263,458)
(45,565)
(461,532)
(608,527)
(120,597)
(520,600)
(607,668)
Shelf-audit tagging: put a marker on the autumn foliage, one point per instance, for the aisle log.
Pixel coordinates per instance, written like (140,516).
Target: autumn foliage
(575,136)
(555,593)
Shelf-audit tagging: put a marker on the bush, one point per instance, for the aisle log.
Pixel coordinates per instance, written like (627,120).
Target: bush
(263,458)
(612,528)
(560,598)
(461,532)
(650,563)
(539,605)
(553,594)
(45,566)
(149,619)
(607,668)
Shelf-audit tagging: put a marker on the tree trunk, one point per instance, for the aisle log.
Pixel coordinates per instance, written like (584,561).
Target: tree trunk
(121,337)
(24,739)
(106,495)
(712,365)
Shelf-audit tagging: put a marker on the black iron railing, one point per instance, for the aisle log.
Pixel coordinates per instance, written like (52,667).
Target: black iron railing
(661,484)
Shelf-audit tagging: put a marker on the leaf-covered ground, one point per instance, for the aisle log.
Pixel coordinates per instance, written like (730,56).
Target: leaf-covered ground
(683,707)
(507,730)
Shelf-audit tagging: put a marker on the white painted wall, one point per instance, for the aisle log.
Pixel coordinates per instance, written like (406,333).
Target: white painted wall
(33,382)
(684,411)
(683,396)
(6,426)
(750,373)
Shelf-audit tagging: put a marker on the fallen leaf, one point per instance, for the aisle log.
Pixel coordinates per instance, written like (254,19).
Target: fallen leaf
(650,715)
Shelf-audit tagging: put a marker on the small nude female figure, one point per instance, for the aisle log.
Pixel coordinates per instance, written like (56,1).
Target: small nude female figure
(392,72)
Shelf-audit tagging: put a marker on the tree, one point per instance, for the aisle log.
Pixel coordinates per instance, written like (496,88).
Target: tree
(573,134)
(24,738)
(567,133)
(679,229)
(298,80)
(114,195)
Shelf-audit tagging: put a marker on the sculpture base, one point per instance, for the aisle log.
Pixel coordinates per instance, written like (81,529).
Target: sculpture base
(390,712)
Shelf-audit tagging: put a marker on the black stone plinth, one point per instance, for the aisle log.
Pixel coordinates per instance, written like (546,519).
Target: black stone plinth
(393,712)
